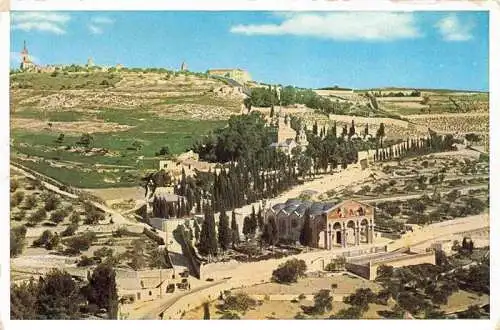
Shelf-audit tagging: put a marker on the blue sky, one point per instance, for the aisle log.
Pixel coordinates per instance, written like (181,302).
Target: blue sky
(306,49)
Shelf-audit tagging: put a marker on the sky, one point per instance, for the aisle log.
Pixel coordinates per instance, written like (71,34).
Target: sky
(305,49)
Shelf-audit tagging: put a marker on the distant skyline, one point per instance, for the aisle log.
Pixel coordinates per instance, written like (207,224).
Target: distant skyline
(359,50)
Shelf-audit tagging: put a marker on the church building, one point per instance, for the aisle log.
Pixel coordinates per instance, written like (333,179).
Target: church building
(333,224)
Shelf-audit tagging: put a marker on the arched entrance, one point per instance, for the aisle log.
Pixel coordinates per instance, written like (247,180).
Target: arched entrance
(337,234)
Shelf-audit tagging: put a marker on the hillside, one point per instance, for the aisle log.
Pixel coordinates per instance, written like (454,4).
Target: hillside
(128,115)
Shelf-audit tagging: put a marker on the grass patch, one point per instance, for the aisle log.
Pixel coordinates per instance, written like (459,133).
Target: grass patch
(149,130)
(61,80)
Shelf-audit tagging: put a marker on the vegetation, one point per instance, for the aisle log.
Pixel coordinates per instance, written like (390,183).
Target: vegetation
(17,240)
(239,302)
(57,296)
(290,271)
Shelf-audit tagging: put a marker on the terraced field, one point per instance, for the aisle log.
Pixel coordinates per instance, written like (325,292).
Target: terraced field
(130,117)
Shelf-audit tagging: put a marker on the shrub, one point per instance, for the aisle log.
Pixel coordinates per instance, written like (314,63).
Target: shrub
(14,184)
(70,230)
(53,242)
(322,302)
(81,242)
(230,316)
(18,216)
(29,202)
(37,217)
(93,215)
(240,302)
(43,239)
(51,202)
(17,240)
(57,216)
(361,298)
(16,198)
(290,271)
(86,261)
(75,218)
(103,253)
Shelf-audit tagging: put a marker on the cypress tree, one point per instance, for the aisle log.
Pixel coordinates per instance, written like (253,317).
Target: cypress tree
(224,232)
(196,231)
(253,221)
(208,237)
(247,226)
(306,234)
(352,129)
(260,219)
(234,229)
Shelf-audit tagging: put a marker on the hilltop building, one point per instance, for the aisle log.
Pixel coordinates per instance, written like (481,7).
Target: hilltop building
(288,139)
(90,63)
(333,224)
(239,75)
(184,66)
(26,62)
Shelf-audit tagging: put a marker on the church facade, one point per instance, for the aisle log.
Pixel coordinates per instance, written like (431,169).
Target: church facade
(333,224)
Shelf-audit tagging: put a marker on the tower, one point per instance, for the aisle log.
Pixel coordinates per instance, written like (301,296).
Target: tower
(184,66)
(25,59)
(302,138)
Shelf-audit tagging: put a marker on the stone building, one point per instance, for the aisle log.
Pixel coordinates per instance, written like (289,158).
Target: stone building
(288,139)
(237,74)
(334,224)
(26,62)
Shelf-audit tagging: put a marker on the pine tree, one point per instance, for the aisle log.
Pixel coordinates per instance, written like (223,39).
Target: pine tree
(224,232)
(235,230)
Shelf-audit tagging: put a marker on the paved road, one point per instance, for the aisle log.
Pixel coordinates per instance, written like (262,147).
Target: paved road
(152,309)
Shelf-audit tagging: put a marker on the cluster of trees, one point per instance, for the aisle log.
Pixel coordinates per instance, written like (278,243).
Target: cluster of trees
(163,208)
(421,289)
(415,147)
(289,95)
(414,93)
(58,296)
(211,240)
(326,150)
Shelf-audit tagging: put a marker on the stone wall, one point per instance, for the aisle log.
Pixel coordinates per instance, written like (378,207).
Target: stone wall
(407,260)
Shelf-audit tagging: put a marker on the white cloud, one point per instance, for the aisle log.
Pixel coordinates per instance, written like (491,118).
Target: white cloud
(94,29)
(98,23)
(452,29)
(367,26)
(40,21)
